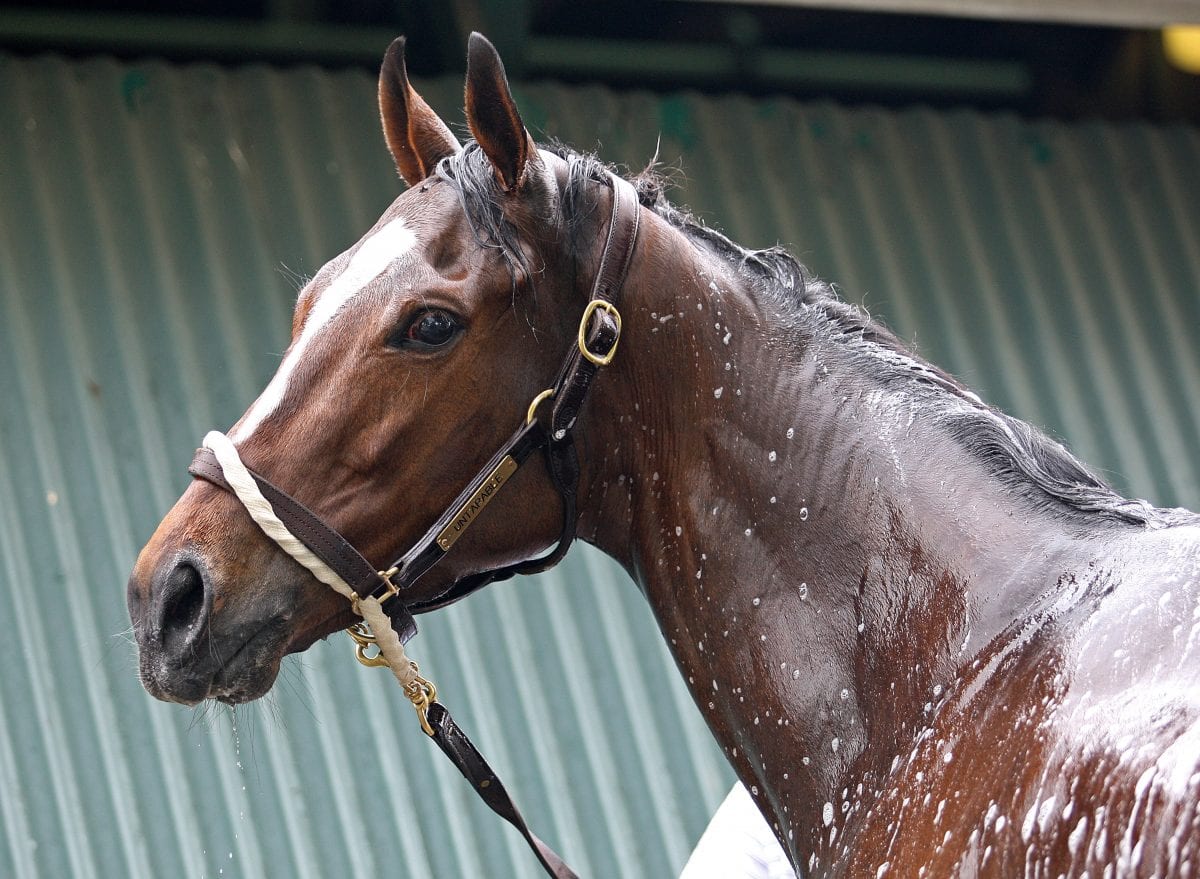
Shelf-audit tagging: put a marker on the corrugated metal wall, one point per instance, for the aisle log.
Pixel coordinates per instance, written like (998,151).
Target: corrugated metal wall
(153,223)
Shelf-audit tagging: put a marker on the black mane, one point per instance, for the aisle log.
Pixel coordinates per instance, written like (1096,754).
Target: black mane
(1020,455)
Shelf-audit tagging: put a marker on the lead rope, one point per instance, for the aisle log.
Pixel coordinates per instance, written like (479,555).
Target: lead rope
(435,719)
(381,632)
(378,628)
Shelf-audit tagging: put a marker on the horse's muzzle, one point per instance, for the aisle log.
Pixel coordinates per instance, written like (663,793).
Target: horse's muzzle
(184,655)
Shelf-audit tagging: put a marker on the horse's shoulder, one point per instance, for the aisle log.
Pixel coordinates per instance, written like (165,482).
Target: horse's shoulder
(1130,673)
(1156,568)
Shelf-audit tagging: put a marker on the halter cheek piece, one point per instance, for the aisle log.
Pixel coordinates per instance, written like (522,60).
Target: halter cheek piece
(379,595)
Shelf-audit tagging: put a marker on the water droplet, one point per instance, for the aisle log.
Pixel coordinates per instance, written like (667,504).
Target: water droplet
(803,590)
(791,432)
(772,456)
(754,790)
(835,743)
(845,693)
(773,498)
(805,760)
(804,514)
(678,530)
(795,674)
(756,602)
(827,814)
(749,531)
(717,392)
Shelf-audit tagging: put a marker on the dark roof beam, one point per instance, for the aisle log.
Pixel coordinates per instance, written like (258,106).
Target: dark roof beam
(767,67)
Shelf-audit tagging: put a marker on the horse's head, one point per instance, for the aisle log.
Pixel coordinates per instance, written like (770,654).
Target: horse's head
(413,356)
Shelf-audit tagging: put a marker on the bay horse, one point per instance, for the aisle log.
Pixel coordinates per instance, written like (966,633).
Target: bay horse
(928,640)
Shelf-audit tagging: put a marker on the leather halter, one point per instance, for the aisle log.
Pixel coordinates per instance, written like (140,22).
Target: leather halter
(599,334)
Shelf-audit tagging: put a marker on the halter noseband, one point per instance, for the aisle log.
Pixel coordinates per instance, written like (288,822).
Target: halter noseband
(379,595)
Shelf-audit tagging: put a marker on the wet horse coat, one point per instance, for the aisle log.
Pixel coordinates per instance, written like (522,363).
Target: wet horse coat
(927,639)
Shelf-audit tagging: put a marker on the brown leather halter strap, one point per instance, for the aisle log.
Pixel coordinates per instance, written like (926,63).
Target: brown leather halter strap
(599,333)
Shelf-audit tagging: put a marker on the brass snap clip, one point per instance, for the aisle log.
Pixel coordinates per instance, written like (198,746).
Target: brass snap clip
(364,641)
(421,693)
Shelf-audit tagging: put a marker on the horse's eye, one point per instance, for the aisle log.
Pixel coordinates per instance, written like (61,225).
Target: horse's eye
(429,329)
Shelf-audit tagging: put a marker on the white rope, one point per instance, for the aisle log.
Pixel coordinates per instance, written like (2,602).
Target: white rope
(388,642)
(261,511)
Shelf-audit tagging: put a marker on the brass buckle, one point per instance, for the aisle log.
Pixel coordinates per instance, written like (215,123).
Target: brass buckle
(592,307)
(392,588)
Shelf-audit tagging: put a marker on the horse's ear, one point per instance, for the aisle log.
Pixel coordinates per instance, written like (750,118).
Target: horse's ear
(416,136)
(492,114)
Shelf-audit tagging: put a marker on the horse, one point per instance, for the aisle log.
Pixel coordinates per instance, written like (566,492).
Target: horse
(929,641)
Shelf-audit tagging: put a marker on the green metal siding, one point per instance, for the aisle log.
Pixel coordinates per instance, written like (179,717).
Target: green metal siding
(154,223)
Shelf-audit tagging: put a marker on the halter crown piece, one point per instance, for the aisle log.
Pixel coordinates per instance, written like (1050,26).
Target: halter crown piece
(378,596)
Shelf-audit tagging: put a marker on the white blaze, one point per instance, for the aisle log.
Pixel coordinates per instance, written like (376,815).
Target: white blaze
(374,255)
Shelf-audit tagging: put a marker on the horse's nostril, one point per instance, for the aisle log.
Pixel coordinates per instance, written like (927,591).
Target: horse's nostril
(183,607)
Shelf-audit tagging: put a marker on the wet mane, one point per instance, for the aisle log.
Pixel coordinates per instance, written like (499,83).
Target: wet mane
(1021,456)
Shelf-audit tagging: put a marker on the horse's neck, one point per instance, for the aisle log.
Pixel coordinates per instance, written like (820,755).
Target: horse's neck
(815,570)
